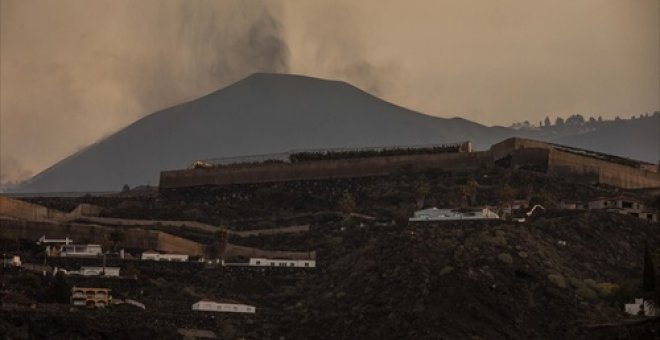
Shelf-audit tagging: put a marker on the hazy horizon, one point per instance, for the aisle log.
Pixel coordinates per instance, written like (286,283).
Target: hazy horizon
(73,72)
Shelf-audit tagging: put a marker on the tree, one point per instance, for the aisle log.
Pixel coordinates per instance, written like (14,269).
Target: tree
(506,193)
(60,289)
(422,190)
(125,188)
(402,214)
(559,121)
(131,270)
(547,122)
(575,120)
(346,203)
(116,236)
(471,190)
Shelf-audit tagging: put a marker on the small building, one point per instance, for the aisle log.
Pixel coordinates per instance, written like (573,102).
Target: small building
(649,215)
(515,205)
(620,202)
(90,297)
(572,205)
(263,262)
(435,214)
(641,307)
(81,250)
(226,307)
(100,271)
(156,256)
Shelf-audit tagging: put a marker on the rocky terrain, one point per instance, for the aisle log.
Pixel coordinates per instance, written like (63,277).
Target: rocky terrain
(561,274)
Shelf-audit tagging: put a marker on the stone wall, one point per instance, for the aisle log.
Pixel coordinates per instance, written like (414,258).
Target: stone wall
(622,176)
(28,211)
(22,210)
(325,169)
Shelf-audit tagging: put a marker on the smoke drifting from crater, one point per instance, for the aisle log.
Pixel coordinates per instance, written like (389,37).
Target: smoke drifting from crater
(75,71)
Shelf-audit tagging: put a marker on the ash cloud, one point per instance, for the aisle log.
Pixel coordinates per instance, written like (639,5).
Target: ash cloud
(12,171)
(266,48)
(120,61)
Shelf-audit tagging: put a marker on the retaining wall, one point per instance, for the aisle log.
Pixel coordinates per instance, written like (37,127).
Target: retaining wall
(28,211)
(89,233)
(325,169)
(618,175)
(232,250)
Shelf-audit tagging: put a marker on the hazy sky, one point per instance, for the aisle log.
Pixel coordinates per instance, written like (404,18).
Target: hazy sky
(75,71)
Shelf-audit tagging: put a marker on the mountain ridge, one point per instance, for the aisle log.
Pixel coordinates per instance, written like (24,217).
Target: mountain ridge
(260,114)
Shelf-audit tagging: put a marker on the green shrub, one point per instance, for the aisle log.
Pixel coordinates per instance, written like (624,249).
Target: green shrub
(506,258)
(587,293)
(591,284)
(446,270)
(558,280)
(577,283)
(607,289)
(499,238)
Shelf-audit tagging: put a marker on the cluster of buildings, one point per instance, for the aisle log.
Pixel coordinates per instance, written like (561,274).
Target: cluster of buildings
(641,307)
(518,210)
(621,204)
(94,297)
(435,214)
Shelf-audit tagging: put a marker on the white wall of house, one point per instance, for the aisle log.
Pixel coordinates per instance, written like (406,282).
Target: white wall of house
(621,203)
(97,271)
(638,306)
(435,214)
(263,262)
(164,257)
(211,306)
(81,250)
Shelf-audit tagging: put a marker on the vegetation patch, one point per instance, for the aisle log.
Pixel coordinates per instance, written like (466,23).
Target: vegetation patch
(506,258)
(446,270)
(587,293)
(558,280)
(577,283)
(607,289)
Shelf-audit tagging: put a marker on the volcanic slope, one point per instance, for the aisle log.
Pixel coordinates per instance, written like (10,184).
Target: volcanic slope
(263,113)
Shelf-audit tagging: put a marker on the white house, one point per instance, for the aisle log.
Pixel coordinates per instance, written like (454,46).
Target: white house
(641,307)
(263,262)
(435,214)
(227,307)
(99,271)
(649,215)
(620,202)
(81,250)
(624,205)
(156,256)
